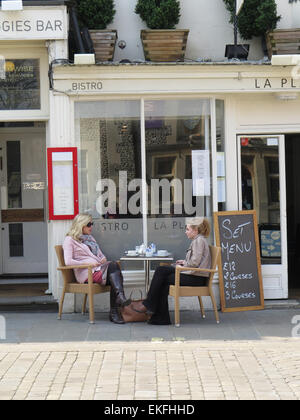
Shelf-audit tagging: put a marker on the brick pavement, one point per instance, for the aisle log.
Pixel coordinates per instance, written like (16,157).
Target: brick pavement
(151,371)
(249,355)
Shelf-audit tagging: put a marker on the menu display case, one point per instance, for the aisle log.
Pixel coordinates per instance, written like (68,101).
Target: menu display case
(62,183)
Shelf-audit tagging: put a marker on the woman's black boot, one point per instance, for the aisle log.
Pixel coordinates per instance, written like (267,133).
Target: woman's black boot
(114,313)
(116,282)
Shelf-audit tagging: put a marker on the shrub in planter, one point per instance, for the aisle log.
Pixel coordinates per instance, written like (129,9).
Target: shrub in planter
(159,14)
(162,42)
(95,14)
(256,18)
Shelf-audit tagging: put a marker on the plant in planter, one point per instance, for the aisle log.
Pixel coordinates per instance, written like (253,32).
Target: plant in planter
(162,42)
(256,18)
(96,15)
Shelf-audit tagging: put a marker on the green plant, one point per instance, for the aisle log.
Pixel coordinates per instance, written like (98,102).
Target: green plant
(159,14)
(95,14)
(255,18)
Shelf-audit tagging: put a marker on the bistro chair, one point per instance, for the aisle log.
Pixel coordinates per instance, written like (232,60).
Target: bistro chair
(72,286)
(177,291)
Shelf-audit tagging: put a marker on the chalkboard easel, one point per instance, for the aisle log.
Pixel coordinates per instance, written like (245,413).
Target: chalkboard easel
(240,279)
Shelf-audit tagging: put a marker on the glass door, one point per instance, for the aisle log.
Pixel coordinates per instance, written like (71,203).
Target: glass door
(22,200)
(262,188)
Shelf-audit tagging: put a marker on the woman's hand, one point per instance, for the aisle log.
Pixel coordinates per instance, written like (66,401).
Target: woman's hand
(95,264)
(179,262)
(103,260)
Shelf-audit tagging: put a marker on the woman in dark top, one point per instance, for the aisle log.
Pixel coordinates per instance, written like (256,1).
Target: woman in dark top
(198,255)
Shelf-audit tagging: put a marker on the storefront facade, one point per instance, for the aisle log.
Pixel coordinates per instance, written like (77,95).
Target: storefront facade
(223,137)
(30,39)
(156,144)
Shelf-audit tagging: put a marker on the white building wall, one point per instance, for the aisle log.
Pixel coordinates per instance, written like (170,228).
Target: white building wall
(290,14)
(208,21)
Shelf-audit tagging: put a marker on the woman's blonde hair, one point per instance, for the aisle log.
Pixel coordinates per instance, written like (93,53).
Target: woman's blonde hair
(200,224)
(81,220)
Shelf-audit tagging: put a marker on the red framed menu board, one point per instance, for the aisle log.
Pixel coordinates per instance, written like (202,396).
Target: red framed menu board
(62,182)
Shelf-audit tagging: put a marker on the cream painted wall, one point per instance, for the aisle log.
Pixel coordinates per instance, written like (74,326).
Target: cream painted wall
(290,14)
(209,28)
(275,111)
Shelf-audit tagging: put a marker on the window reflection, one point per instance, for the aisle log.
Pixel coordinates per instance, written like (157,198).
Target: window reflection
(178,159)
(221,174)
(108,133)
(173,130)
(14,191)
(178,170)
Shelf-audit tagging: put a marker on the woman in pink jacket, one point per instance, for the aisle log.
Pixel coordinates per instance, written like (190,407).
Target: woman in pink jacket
(80,247)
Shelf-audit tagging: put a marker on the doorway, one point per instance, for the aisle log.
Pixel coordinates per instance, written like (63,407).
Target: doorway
(23,201)
(292,156)
(261,163)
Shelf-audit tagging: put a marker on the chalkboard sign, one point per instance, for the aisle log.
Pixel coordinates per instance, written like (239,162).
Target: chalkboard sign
(240,277)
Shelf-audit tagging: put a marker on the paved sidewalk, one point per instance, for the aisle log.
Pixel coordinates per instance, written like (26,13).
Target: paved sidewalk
(249,355)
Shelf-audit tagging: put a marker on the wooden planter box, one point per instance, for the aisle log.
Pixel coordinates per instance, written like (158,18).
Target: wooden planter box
(104,42)
(164,44)
(283,41)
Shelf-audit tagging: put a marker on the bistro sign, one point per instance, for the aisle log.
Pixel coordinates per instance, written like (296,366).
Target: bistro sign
(32,24)
(247,84)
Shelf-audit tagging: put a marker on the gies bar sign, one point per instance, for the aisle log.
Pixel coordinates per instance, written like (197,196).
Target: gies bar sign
(32,24)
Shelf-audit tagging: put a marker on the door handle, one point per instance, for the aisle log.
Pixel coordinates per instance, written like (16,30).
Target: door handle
(1,163)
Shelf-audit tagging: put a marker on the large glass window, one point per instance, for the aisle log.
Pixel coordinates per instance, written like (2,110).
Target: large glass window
(178,169)
(141,182)
(110,164)
(20,84)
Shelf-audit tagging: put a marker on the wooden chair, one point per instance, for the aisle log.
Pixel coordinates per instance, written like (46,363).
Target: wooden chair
(72,286)
(176,290)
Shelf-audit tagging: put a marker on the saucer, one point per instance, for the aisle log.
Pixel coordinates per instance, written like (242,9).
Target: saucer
(131,253)
(162,253)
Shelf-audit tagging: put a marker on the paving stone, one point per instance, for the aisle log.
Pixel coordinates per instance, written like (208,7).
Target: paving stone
(180,366)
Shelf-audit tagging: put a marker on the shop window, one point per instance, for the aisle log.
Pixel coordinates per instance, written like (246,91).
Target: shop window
(110,144)
(83,175)
(178,160)
(20,86)
(141,183)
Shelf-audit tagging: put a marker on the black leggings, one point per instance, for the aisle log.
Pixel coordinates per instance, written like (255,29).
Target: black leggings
(157,298)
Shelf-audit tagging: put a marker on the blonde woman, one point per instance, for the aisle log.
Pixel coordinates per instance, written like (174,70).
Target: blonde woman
(80,247)
(198,255)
